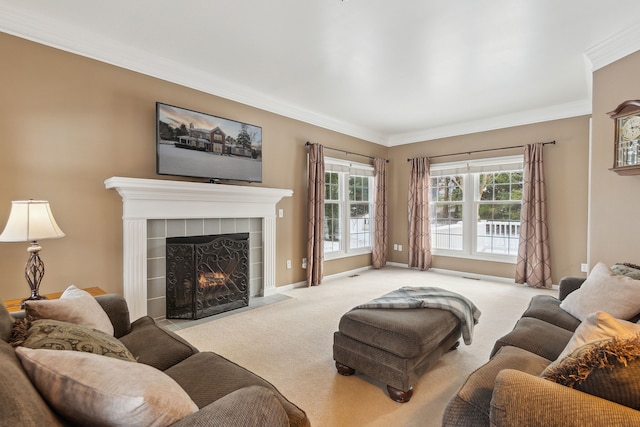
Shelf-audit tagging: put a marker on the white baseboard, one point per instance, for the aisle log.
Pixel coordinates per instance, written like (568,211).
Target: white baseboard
(279,289)
(397,264)
(473,275)
(290,286)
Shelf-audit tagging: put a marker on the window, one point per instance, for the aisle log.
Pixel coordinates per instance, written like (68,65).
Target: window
(348,204)
(475,208)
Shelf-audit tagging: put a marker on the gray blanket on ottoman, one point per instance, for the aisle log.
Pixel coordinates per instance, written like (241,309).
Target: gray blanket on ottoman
(410,297)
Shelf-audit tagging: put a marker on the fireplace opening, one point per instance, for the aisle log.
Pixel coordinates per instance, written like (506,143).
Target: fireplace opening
(206,275)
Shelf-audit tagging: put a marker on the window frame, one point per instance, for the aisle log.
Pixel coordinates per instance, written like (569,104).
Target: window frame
(470,171)
(346,169)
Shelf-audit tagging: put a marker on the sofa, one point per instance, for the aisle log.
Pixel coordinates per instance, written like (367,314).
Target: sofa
(142,370)
(555,369)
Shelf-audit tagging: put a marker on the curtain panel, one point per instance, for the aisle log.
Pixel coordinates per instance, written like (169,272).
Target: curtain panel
(380,218)
(534,255)
(315,215)
(418,212)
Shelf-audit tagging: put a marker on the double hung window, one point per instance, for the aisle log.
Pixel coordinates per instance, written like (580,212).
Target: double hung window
(475,208)
(348,208)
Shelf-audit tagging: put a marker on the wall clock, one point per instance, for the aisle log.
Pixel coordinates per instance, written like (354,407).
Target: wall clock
(626,153)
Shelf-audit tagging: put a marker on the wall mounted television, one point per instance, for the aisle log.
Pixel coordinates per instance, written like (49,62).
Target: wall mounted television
(199,145)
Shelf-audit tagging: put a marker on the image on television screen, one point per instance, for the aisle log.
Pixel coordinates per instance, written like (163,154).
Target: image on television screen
(200,145)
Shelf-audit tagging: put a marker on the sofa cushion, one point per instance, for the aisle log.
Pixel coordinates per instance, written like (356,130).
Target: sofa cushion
(89,389)
(471,405)
(608,368)
(598,326)
(604,291)
(74,306)
(547,308)
(536,336)
(153,345)
(20,403)
(57,335)
(207,377)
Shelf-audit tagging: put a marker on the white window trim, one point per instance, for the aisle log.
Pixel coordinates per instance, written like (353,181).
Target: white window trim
(471,168)
(349,168)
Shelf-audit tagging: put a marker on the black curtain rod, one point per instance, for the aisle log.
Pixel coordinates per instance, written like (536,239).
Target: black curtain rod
(482,151)
(345,151)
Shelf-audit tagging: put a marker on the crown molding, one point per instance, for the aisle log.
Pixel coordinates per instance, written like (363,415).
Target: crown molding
(78,41)
(614,48)
(556,112)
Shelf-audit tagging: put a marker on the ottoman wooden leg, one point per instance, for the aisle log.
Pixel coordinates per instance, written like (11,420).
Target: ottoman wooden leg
(456,345)
(344,369)
(399,395)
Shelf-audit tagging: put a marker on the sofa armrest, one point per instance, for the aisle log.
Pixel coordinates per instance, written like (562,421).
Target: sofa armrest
(247,407)
(521,399)
(118,311)
(569,284)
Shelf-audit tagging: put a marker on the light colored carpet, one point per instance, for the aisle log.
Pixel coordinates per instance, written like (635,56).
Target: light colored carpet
(290,345)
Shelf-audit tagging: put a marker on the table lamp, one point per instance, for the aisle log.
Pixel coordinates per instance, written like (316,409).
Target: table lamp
(30,221)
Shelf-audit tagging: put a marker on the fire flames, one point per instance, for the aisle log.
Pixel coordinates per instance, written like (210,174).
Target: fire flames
(210,279)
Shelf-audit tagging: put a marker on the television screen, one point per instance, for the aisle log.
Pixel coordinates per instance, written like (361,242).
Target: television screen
(200,145)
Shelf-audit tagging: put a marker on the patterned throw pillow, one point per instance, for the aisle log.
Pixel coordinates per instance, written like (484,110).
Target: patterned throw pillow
(627,269)
(609,369)
(57,335)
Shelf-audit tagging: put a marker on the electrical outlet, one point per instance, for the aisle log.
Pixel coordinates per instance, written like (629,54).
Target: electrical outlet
(395,246)
(584,268)
(400,248)
(288,264)
(304,263)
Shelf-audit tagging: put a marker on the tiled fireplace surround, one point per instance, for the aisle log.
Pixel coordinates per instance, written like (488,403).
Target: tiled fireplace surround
(156,209)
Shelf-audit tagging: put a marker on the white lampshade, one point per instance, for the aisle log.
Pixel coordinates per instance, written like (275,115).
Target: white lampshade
(30,220)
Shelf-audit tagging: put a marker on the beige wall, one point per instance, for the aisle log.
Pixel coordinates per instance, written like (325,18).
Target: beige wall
(566,171)
(67,123)
(614,232)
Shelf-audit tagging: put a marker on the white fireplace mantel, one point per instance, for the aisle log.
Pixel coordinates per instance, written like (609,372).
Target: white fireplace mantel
(145,199)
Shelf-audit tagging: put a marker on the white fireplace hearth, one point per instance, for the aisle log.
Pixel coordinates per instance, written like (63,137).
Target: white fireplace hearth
(146,200)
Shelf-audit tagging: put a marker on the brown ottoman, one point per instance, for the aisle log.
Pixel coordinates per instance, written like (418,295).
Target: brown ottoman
(395,346)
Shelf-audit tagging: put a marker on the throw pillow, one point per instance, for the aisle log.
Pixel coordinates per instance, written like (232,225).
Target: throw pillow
(608,368)
(89,389)
(626,269)
(604,291)
(57,335)
(74,306)
(595,327)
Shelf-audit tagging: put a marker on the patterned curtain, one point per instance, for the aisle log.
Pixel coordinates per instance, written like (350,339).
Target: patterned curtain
(419,226)
(315,214)
(534,258)
(381,228)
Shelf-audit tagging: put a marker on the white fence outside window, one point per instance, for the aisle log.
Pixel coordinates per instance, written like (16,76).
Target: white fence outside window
(496,237)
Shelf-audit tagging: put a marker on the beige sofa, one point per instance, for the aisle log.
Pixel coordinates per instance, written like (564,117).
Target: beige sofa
(216,390)
(509,391)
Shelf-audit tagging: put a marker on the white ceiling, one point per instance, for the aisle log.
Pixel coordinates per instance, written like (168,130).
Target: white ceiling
(387,71)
